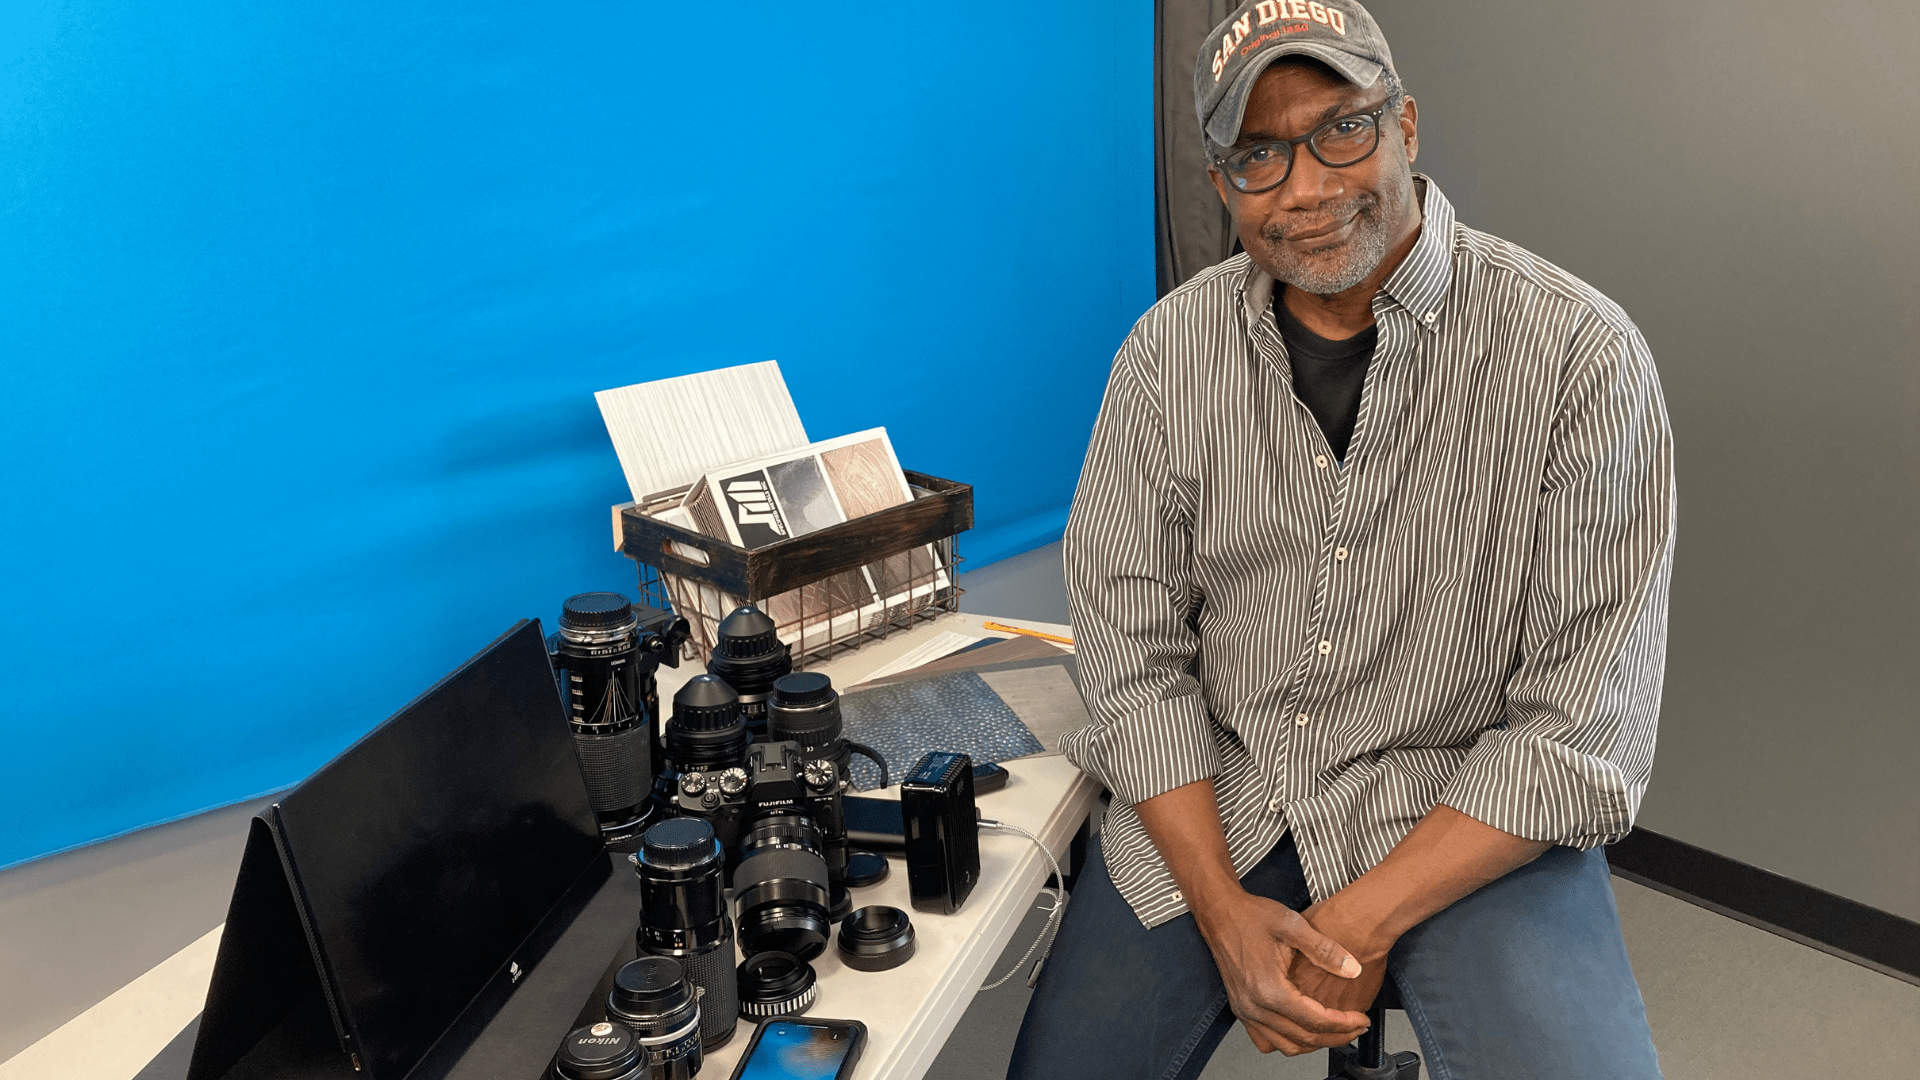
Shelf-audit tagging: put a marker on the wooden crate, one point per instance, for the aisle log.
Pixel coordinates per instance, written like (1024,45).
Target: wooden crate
(702,576)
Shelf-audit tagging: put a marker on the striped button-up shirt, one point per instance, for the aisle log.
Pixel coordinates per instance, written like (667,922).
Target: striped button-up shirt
(1471,610)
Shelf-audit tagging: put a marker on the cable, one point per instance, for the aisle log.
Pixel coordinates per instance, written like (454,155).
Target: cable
(1053,915)
(872,755)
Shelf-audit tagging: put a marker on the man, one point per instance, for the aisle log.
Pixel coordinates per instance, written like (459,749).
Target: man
(1369,567)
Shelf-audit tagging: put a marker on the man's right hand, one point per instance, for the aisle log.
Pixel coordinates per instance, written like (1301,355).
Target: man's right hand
(1254,941)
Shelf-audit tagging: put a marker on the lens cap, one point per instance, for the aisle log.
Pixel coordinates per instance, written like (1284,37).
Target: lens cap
(706,703)
(679,844)
(603,1051)
(649,986)
(596,611)
(876,938)
(776,984)
(802,688)
(864,868)
(747,633)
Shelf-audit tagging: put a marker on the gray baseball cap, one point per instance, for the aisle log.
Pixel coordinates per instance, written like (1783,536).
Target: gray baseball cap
(1338,33)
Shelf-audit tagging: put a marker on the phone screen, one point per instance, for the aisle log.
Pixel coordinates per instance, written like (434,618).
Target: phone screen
(795,1050)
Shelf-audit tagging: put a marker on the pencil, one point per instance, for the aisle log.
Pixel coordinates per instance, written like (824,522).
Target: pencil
(1005,629)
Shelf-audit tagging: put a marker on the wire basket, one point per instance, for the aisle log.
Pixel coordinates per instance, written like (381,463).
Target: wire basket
(828,592)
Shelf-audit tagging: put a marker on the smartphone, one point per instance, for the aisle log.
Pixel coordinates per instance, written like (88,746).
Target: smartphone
(873,824)
(802,1048)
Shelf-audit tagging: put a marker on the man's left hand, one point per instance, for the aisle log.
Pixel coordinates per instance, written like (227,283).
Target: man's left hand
(1367,944)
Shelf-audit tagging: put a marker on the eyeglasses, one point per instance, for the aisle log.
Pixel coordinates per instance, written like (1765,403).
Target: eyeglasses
(1338,143)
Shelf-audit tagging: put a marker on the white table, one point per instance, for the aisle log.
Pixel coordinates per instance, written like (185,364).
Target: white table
(909,1011)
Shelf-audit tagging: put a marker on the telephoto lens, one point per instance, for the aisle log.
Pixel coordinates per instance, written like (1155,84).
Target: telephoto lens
(750,656)
(776,984)
(780,887)
(606,683)
(683,916)
(605,1051)
(653,997)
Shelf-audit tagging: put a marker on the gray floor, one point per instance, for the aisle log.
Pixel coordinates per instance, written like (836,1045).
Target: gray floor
(1725,999)
(77,926)
(1030,586)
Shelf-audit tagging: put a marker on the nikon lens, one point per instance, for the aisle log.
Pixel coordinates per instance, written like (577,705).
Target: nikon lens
(652,996)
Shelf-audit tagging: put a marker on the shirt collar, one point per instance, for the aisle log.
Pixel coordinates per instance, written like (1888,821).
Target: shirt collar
(1419,284)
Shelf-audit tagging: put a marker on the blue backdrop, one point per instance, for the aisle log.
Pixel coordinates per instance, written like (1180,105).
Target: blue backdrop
(302,308)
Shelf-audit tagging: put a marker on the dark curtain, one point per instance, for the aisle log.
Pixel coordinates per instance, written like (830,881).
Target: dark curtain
(1191,230)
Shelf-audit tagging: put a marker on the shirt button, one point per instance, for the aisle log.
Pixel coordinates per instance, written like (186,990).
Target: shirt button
(1431,315)
(1340,554)
(1320,460)
(1326,647)
(1175,896)
(1300,721)
(1273,805)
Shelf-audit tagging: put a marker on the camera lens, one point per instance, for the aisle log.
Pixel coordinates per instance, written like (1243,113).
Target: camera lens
(606,683)
(805,708)
(603,1051)
(683,916)
(776,984)
(706,731)
(749,655)
(652,995)
(781,887)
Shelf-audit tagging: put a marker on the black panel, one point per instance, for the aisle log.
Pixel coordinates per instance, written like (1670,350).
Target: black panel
(1833,924)
(265,1001)
(427,853)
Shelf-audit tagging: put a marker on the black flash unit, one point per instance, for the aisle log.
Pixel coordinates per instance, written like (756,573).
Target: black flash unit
(942,832)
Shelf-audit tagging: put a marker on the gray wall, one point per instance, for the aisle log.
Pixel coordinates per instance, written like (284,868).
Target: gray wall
(1744,178)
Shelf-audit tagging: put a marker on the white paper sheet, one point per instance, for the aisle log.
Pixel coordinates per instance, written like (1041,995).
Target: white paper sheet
(671,432)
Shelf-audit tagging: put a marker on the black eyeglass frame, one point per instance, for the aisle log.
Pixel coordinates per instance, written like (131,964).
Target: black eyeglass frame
(1373,116)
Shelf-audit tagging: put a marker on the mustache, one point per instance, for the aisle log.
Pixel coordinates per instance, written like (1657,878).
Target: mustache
(1275,232)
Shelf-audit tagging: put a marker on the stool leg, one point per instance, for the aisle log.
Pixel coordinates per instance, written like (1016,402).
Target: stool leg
(1373,1041)
(1368,1059)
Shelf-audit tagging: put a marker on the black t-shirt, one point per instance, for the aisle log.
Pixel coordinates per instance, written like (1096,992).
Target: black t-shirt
(1326,374)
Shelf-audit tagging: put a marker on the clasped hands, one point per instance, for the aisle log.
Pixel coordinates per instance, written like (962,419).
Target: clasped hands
(1299,981)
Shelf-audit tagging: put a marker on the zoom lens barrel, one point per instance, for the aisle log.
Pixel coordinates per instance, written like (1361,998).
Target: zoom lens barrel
(653,996)
(749,655)
(683,916)
(781,887)
(605,684)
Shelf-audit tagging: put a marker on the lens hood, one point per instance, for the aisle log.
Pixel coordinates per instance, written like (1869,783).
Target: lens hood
(876,938)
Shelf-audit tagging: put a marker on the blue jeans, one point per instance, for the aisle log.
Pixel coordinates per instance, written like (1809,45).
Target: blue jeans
(1525,979)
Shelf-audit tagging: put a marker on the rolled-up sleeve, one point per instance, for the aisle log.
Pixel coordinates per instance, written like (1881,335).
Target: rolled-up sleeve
(1571,760)
(1127,550)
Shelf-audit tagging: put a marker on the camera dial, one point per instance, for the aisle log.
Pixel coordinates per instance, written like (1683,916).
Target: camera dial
(821,775)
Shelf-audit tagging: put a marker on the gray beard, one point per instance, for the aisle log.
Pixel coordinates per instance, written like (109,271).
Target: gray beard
(1342,268)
